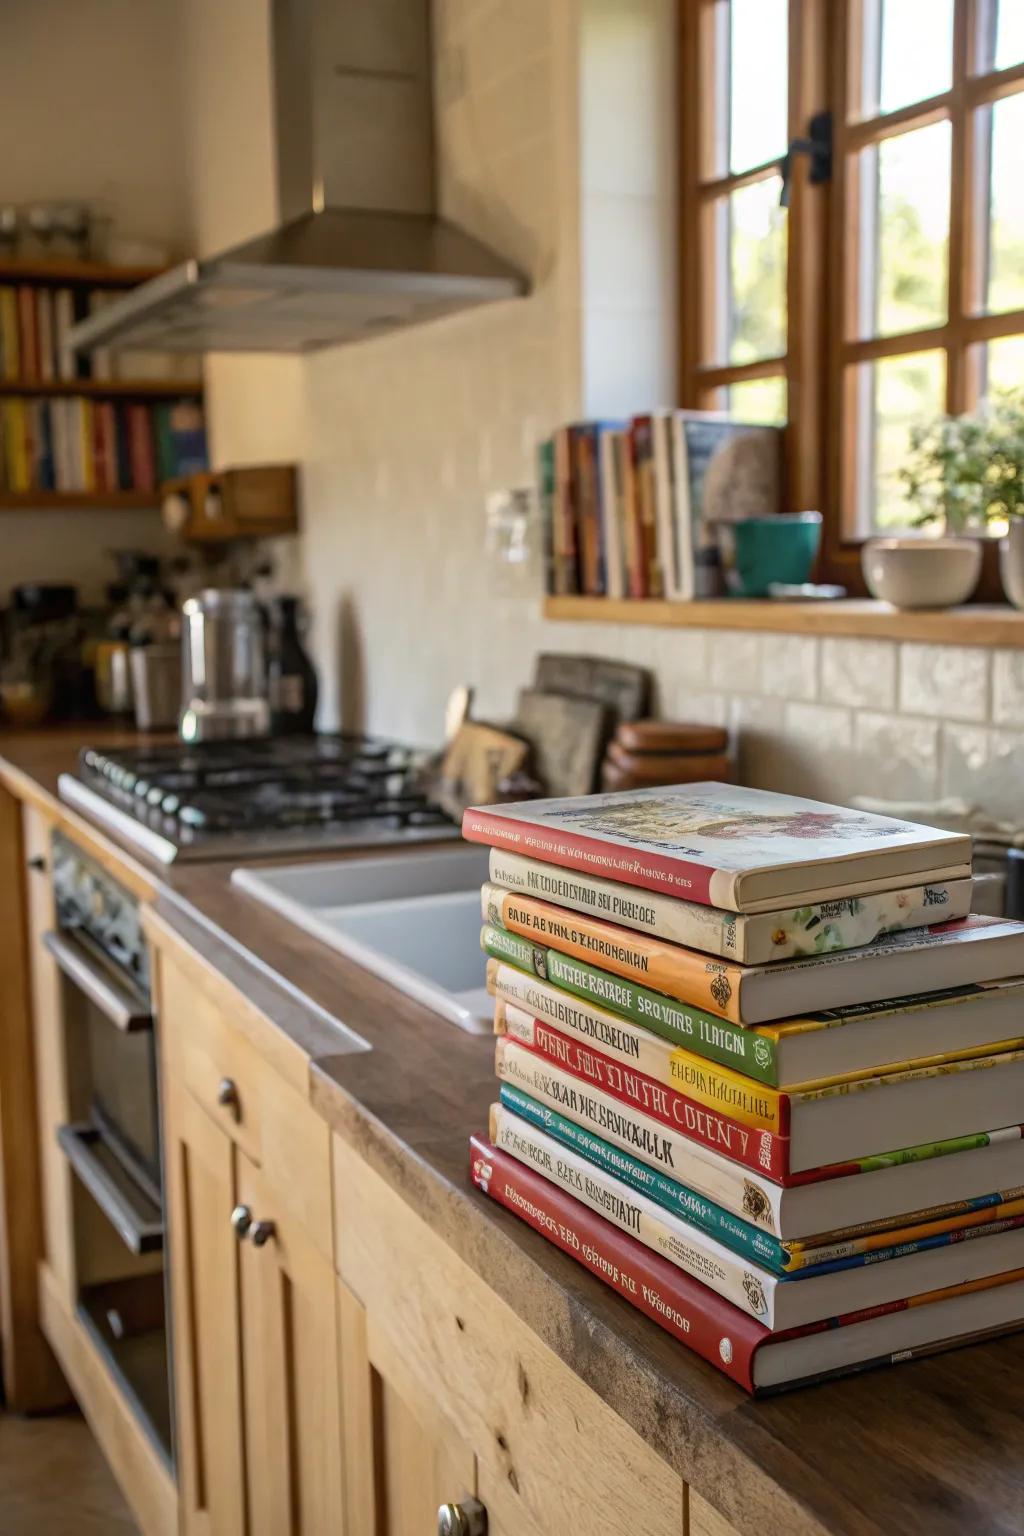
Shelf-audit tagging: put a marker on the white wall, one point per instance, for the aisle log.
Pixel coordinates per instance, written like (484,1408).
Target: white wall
(90,110)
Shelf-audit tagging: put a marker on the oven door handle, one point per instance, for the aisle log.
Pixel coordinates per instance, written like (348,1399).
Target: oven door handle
(125,1009)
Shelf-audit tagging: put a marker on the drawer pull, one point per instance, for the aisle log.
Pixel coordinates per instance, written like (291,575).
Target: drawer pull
(241,1221)
(227,1096)
(37,864)
(261,1232)
(467,1518)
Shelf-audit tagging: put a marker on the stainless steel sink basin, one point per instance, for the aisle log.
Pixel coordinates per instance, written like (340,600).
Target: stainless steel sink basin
(413,919)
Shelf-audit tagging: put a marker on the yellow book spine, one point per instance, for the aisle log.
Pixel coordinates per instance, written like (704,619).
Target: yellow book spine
(681,973)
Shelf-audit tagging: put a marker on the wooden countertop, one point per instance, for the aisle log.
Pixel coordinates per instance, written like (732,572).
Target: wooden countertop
(931,1447)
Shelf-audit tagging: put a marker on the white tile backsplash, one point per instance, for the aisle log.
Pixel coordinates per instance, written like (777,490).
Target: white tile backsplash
(858,672)
(789,666)
(948,681)
(1008,687)
(897,757)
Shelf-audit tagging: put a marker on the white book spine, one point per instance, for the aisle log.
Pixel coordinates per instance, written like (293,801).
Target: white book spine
(667,917)
(634,1048)
(738,1189)
(747,1286)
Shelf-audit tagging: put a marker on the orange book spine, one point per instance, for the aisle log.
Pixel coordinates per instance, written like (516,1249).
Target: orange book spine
(681,973)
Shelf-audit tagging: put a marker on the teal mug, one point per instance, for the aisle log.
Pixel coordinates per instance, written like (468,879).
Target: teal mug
(760,551)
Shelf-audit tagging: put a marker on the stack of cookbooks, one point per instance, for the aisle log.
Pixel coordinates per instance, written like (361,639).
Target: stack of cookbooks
(760,1071)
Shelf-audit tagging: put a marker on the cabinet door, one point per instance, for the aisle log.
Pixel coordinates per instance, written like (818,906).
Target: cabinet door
(289,1348)
(402,1458)
(203,1257)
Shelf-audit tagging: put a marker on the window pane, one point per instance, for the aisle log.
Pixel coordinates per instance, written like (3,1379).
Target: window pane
(907,52)
(892,395)
(904,228)
(1002,365)
(761,400)
(1001,131)
(758,81)
(755,317)
(1000,34)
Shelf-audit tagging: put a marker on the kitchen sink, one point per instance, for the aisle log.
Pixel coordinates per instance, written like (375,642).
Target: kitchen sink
(411,918)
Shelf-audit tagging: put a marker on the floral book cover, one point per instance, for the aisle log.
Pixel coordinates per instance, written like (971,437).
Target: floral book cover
(719,844)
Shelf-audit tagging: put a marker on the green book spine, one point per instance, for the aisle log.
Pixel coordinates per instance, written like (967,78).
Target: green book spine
(728,1044)
(710,1218)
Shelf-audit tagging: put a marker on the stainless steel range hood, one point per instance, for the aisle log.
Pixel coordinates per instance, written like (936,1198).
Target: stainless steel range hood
(359,249)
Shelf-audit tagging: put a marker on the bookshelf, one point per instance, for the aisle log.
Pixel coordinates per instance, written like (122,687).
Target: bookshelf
(113,435)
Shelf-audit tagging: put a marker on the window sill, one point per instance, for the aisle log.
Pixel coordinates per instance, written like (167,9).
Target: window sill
(974,624)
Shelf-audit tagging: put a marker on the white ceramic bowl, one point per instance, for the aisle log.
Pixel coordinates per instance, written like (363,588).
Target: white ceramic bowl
(921,573)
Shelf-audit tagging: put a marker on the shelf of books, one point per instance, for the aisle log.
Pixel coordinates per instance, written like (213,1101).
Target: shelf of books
(74,432)
(628,513)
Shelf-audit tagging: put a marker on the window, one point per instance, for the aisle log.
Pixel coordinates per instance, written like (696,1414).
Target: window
(891,288)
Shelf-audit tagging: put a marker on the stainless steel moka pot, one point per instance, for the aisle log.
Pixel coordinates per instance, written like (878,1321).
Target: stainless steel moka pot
(224,677)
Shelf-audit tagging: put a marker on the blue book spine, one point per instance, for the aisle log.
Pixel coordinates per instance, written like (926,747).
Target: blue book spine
(735,1234)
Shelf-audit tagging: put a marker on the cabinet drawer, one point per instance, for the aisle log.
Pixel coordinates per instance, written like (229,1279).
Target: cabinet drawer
(551,1456)
(252,1104)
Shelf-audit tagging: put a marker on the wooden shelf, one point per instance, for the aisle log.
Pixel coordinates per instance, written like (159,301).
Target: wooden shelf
(974,624)
(105,389)
(66,271)
(78,501)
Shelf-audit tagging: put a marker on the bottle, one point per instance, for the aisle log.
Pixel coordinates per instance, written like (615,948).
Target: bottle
(291,678)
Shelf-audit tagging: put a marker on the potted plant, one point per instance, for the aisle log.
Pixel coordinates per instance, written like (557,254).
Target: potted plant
(964,478)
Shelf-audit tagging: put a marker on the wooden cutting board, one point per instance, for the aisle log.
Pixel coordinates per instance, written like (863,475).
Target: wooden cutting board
(625,690)
(671,736)
(477,759)
(567,736)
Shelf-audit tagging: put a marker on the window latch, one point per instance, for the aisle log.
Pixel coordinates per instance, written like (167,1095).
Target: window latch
(818,149)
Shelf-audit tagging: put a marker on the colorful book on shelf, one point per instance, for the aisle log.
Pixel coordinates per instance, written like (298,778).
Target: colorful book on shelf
(28,333)
(641,445)
(780,1301)
(972,948)
(45,326)
(584,440)
(733,1342)
(566,546)
(545,509)
(10,348)
(725,471)
(614,511)
(793,1206)
(849,1042)
(754,939)
(820,1125)
(724,845)
(741,1235)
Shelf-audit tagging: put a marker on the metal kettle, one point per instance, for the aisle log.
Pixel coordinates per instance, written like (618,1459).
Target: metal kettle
(223,666)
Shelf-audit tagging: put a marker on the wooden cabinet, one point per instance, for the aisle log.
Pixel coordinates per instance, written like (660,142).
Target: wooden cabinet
(203,1260)
(447,1393)
(252,1285)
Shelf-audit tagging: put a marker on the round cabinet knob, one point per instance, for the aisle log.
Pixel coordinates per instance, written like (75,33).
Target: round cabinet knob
(37,864)
(467,1518)
(227,1096)
(261,1232)
(241,1221)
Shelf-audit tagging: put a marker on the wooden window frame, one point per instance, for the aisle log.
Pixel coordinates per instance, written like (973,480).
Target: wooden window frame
(822,243)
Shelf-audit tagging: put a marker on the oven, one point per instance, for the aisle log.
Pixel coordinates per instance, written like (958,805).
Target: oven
(111,1137)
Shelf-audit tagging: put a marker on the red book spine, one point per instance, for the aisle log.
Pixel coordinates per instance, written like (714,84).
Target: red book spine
(590,855)
(28,333)
(634,1087)
(760,1150)
(689,1311)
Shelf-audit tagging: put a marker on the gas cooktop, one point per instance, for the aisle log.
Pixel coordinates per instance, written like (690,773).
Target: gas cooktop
(229,799)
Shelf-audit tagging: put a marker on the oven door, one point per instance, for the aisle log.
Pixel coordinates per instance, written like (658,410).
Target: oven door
(116,1062)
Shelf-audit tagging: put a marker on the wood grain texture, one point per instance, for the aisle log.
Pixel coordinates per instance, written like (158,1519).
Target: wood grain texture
(31,1377)
(554,1450)
(293,1443)
(975,624)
